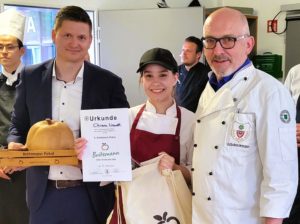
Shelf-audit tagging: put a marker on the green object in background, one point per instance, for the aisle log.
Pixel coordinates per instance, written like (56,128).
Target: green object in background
(269,63)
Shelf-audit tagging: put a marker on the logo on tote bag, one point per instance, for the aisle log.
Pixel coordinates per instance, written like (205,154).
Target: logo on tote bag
(163,219)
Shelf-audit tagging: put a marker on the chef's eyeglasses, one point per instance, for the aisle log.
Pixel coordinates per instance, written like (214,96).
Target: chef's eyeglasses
(227,42)
(9,47)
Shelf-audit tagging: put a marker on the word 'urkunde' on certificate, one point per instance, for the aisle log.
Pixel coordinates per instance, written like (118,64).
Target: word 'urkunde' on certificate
(107,155)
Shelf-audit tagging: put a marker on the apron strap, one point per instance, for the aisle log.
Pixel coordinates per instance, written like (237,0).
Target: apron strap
(177,134)
(137,118)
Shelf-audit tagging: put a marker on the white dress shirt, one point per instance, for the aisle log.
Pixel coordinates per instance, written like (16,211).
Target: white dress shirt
(66,105)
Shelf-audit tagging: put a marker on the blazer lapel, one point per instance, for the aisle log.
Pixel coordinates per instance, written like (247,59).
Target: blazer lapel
(85,88)
(46,89)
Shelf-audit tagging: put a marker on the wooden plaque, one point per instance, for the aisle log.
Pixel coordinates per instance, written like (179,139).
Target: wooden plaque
(37,157)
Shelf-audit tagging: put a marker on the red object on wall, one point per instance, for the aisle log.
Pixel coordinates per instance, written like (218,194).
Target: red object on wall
(272,26)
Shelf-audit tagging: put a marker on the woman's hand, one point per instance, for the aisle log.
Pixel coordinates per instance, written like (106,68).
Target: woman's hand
(166,162)
(80,146)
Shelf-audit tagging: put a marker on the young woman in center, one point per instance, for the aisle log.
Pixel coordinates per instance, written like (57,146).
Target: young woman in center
(159,126)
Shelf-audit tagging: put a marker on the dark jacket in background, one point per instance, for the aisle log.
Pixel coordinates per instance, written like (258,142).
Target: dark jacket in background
(13,208)
(190,86)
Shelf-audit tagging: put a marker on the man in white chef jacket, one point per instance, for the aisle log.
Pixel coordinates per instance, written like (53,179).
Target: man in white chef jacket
(292,82)
(245,167)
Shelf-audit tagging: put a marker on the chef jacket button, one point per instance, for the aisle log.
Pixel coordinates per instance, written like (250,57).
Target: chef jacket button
(176,137)
(210,173)
(195,145)
(216,147)
(193,193)
(223,122)
(192,169)
(198,121)
(234,99)
(245,78)
(209,198)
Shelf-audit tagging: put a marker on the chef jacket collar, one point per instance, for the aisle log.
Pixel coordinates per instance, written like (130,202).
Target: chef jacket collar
(12,77)
(171,111)
(216,85)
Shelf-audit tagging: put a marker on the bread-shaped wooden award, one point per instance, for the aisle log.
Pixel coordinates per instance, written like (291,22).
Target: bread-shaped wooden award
(48,142)
(50,135)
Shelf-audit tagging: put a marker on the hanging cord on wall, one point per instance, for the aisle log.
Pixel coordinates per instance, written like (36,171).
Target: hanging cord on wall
(286,24)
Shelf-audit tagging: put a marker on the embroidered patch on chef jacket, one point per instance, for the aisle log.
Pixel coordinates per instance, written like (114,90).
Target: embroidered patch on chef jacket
(240,134)
(240,131)
(285,116)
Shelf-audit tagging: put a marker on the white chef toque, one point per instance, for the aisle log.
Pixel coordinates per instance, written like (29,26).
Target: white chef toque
(12,23)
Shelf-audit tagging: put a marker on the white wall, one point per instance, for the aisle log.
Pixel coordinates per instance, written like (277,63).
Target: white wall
(111,4)
(86,4)
(266,10)
(139,4)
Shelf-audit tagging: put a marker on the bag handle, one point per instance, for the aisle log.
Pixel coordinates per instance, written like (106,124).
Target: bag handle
(117,214)
(168,173)
(118,205)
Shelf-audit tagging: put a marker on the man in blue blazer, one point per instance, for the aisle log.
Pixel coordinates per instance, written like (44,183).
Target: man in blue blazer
(58,89)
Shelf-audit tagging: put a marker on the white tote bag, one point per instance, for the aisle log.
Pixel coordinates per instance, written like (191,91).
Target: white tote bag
(153,198)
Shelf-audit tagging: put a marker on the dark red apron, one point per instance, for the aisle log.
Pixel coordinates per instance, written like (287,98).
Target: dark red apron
(146,145)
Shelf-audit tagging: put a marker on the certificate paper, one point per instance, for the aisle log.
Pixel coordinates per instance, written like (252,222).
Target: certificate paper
(107,155)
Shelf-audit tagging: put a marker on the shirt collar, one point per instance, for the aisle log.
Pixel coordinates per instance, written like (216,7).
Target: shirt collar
(79,74)
(11,78)
(171,111)
(215,84)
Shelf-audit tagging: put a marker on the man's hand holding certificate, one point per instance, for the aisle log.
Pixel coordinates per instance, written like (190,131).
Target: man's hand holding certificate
(107,155)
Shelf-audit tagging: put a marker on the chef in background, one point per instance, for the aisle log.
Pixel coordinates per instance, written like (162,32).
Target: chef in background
(13,207)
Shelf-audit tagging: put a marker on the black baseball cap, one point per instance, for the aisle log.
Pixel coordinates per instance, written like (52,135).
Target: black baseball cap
(158,56)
